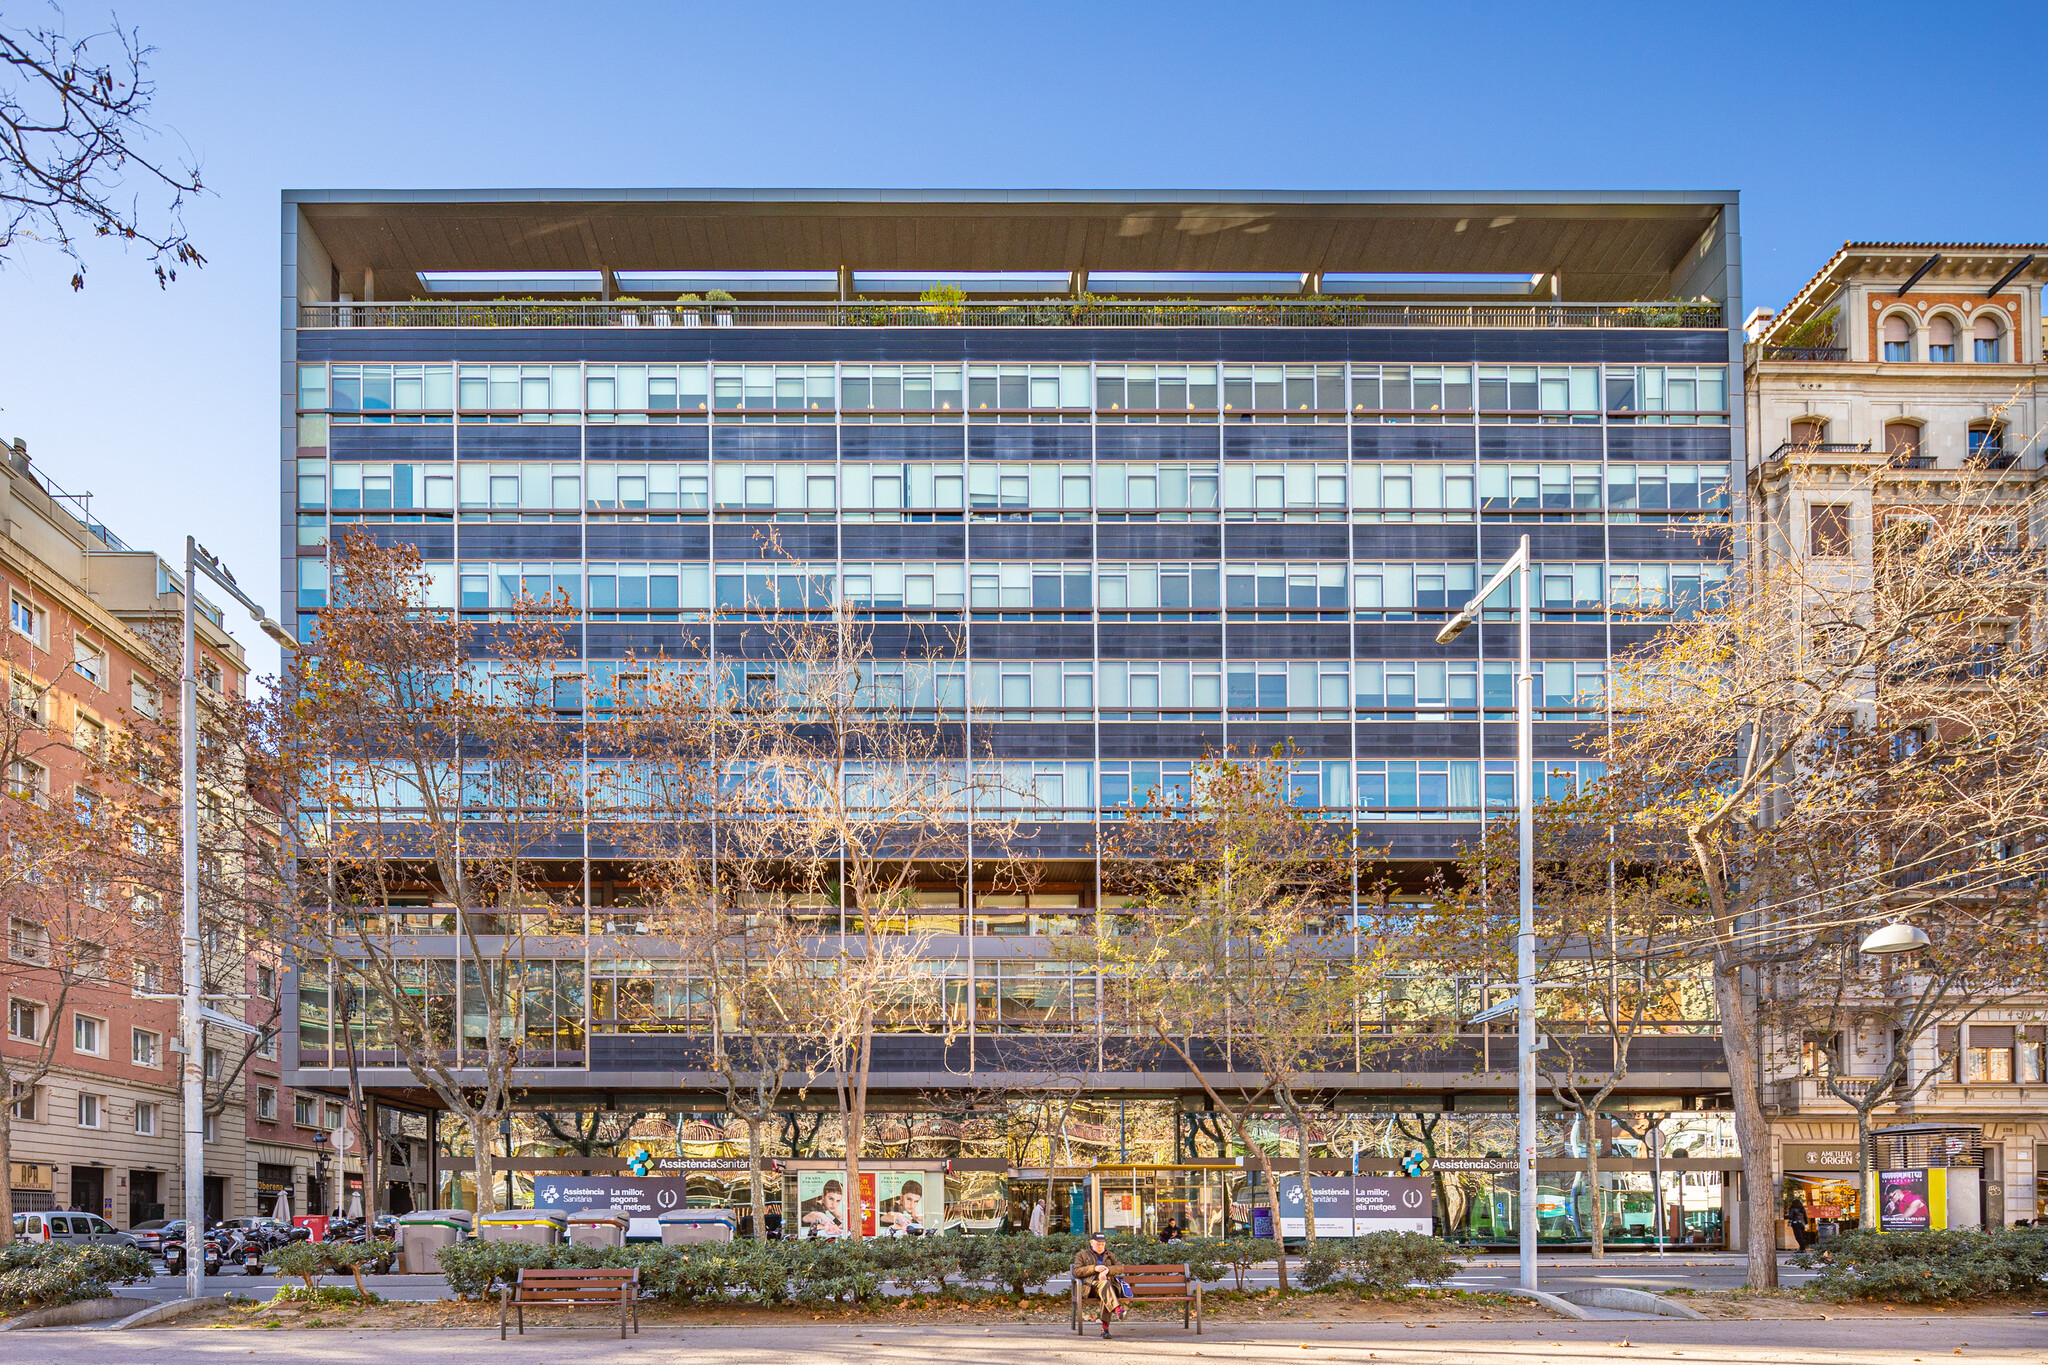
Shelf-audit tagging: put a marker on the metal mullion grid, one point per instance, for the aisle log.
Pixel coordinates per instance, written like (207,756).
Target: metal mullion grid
(967,896)
(1479,580)
(1351,626)
(1094,805)
(455,459)
(583,665)
(1607,570)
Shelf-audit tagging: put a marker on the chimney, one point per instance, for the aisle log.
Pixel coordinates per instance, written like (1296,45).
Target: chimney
(17,457)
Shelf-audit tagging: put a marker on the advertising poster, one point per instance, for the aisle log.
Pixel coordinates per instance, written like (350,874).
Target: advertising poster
(1119,1210)
(1902,1201)
(648,1198)
(823,1210)
(1392,1203)
(1333,1198)
(905,1199)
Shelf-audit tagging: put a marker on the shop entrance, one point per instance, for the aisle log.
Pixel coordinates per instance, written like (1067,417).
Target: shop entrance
(216,1199)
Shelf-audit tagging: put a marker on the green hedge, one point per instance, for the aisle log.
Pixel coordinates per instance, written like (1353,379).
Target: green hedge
(848,1272)
(46,1274)
(1929,1267)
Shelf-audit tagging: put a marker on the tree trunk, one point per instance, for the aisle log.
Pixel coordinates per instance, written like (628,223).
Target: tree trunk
(480,1136)
(1273,1201)
(1308,1194)
(1752,1129)
(857,1122)
(760,1199)
(1593,1188)
(6,1160)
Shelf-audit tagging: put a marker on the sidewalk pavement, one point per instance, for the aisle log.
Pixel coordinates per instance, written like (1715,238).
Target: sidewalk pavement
(1879,1339)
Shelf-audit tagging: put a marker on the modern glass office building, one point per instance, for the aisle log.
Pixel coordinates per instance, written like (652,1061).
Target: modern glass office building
(1180,471)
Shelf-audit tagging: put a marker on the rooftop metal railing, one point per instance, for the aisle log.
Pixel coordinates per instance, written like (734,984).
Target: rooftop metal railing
(1032,313)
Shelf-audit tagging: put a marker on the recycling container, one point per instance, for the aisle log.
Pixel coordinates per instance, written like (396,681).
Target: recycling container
(597,1228)
(537,1226)
(424,1232)
(680,1226)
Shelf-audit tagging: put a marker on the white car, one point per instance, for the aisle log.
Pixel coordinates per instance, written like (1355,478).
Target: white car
(72,1229)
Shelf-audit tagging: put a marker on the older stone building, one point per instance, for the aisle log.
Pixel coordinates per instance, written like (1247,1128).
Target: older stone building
(1905,380)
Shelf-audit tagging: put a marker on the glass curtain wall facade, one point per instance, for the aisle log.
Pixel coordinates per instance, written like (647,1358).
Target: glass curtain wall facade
(1151,542)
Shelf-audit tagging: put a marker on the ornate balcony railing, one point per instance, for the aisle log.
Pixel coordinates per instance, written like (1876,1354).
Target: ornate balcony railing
(1031,313)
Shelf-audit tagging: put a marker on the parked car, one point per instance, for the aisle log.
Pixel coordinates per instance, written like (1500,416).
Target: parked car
(73,1229)
(150,1235)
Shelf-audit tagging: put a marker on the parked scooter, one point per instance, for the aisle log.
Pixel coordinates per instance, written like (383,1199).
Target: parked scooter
(174,1256)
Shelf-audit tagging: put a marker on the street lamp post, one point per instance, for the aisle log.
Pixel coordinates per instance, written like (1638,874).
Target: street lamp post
(1525,939)
(193,1012)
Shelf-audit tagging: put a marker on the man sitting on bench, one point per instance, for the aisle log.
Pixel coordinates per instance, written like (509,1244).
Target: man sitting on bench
(1095,1267)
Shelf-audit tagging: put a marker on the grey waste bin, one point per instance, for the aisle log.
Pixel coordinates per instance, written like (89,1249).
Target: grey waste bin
(424,1232)
(679,1226)
(597,1228)
(536,1226)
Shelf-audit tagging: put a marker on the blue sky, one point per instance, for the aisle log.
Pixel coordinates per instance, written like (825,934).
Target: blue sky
(1875,121)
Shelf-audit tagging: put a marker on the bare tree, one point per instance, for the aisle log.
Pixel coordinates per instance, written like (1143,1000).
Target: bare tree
(1888,700)
(74,132)
(1232,892)
(434,786)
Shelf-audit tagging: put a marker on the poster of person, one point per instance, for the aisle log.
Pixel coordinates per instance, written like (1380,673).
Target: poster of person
(901,1200)
(1902,1201)
(821,1204)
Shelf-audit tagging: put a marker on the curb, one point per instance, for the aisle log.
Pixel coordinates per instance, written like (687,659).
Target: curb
(73,1314)
(156,1313)
(1631,1301)
(1557,1304)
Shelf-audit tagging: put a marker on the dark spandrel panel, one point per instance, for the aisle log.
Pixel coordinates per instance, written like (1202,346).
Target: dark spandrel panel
(764,540)
(618,639)
(1412,443)
(485,442)
(1048,739)
(1417,640)
(1279,540)
(1049,840)
(1290,640)
(488,540)
(1309,739)
(1555,543)
(1283,443)
(1418,739)
(774,443)
(648,539)
(1028,442)
(1032,640)
(391,443)
(648,443)
(433,540)
(648,1052)
(1682,1052)
(1669,443)
(1552,740)
(1547,640)
(1003,541)
(1156,540)
(1158,639)
(1160,739)
(900,443)
(1539,443)
(915,540)
(911,639)
(1374,543)
(1430,842)
(1630,635)
(1675,542)
(1156,443)
(918,1052)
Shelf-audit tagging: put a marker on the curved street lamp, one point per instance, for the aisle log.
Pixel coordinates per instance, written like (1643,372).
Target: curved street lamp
(1895,938)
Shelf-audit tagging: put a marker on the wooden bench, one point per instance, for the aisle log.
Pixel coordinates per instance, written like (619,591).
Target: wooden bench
(571,1289)
(1149,1284)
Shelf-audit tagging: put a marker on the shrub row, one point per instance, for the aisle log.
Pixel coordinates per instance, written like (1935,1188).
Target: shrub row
(843,1272)
(1929,1267)
(46,1274)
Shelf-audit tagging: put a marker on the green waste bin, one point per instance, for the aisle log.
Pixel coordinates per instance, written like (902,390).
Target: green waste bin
(538,1227)
(424,1232)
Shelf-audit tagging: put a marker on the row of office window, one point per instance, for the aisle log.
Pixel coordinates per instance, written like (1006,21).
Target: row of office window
(867,491)
(1134,591)
(1124,393)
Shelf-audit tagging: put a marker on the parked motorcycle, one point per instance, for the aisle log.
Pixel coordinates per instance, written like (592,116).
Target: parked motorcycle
(174,1257)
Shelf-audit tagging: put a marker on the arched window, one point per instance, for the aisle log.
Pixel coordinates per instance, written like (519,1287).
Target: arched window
(1941,339)
(1902,444)
(1987,444)
(1809,431)
(1898,337)
(1986,331)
